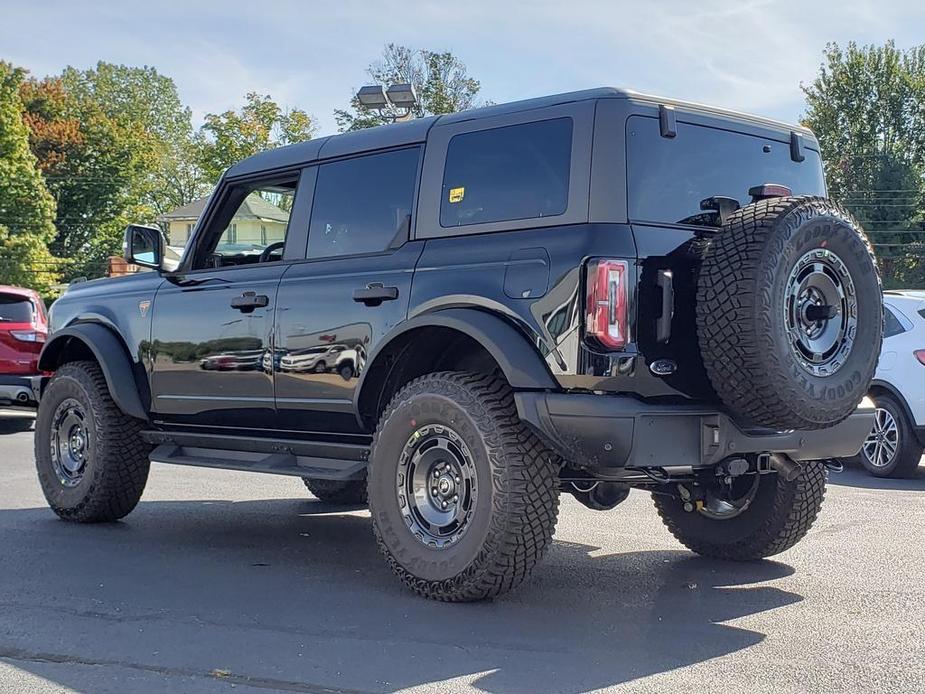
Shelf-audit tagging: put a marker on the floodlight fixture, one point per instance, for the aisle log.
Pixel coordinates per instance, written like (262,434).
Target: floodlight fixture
(402,96)
(395,103)
(373,96)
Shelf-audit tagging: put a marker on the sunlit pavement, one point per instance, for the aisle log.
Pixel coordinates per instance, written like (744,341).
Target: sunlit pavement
(224,579)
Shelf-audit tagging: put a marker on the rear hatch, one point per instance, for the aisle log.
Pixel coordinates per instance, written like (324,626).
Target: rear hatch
(22,334)
(680,185)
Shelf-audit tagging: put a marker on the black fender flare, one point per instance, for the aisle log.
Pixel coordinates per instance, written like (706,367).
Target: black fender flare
(519,360)
(111,355)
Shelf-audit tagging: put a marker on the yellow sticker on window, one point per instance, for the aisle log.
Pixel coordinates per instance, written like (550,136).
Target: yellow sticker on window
(457,194)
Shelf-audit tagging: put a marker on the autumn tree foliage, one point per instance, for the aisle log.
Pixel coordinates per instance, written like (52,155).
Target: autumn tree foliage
(27,210)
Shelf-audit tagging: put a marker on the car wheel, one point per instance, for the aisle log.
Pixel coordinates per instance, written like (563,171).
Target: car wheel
(92,463)
(346,372)
(320,367)
(790,313)
(761,515)
(462,495)
(346,492)
(892,449)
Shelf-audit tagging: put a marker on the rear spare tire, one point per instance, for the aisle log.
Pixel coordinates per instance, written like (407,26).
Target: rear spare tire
(789,313)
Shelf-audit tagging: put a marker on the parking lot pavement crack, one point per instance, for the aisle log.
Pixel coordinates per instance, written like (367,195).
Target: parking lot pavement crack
(16,655)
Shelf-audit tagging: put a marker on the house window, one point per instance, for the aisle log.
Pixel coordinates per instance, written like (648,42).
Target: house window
(189,231)
(233,233)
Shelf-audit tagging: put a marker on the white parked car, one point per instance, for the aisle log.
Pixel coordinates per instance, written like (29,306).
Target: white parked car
(894,447)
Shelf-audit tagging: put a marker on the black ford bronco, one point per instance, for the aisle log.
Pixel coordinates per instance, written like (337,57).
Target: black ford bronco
(457,318)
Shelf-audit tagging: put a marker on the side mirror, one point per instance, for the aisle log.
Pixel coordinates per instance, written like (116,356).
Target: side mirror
(144,246)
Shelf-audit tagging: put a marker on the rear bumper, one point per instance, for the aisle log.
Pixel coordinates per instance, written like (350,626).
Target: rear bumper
(600,432)
(20,391)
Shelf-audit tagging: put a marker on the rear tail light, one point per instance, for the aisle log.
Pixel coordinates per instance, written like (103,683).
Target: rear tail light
(606,316)
(28,335)
(920,355)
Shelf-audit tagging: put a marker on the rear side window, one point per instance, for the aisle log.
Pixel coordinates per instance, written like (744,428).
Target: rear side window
(891,324)
(362,205)
(502,174)
(668,177)
(15,309)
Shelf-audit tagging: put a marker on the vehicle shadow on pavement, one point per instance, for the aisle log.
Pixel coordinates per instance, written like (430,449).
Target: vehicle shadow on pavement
(856,476)
(15,422)
(290,594)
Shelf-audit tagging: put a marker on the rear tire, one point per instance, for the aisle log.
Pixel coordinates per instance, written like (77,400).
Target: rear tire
(348,492)
(790,313)
(91,461)
(463,427)
(898,452)
(779,515)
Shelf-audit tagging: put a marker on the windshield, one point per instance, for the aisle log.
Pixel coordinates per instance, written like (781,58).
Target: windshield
(15,309)
(667,178)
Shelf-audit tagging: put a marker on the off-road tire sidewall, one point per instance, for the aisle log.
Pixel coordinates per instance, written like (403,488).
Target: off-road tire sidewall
(517,489)
(117,467)
(742,306)
(347,492)
(779,516)
(424,562)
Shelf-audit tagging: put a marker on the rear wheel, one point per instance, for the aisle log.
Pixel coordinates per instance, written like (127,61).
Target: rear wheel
(348,492)
(91,461)
(892,449)
(756,517)
(789,313)
(463,496)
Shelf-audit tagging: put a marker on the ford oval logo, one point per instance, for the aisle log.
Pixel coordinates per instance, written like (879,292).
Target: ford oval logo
(663,367)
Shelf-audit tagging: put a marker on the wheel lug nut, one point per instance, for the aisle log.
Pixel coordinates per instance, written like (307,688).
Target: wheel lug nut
(457,479)
(456,498)
(444,504)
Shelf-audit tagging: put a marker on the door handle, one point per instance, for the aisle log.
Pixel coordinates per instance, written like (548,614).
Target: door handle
(248,301)
(374,294)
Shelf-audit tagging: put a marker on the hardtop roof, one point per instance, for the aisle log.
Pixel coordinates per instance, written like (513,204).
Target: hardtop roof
(415,131)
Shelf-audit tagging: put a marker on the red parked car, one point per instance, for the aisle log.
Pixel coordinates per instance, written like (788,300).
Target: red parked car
(23,329)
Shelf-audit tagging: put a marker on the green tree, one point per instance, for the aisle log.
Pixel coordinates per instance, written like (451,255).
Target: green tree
(115,145)
(867,107)
(440,80)
(88,168)
(260,124)
(27,210)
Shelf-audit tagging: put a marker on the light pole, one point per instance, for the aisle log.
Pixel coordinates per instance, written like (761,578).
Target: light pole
(395,103)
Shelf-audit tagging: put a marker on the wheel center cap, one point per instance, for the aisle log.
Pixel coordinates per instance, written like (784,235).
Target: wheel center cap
(446,486)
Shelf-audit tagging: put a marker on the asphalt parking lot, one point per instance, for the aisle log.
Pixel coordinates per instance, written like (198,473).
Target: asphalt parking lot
(224,580)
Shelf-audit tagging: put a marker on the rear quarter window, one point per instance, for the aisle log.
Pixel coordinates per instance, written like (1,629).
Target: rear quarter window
(15,309)
(891,324)
(507,173)
(668,177)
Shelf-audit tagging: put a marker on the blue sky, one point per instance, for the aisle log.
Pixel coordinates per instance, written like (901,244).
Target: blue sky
(749,55)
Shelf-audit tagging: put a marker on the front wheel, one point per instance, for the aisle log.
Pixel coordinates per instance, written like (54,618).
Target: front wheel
(346,492)
(761,515)
(91,461)
(463,496)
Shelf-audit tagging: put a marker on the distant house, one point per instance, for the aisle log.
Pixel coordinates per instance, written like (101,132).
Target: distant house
(257,222)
